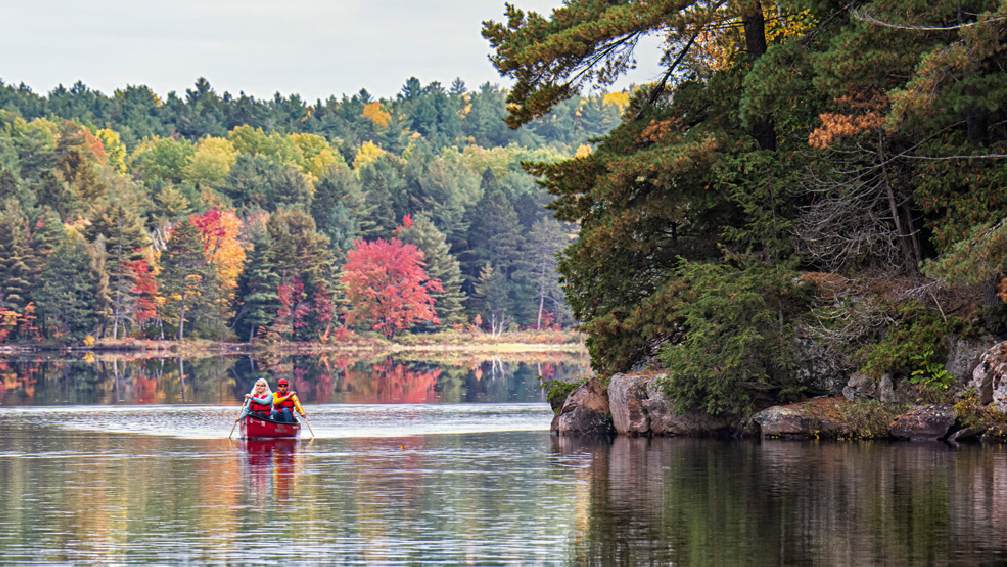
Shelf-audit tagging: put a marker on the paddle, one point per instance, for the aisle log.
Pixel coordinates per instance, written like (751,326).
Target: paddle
(308,423)
(242,414)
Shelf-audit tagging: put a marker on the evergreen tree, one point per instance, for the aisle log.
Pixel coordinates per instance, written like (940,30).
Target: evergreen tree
(256,302)
(16,257)
(67,298)
(189,282)
(494,234)
(493,299)
(123,237)
(339,208)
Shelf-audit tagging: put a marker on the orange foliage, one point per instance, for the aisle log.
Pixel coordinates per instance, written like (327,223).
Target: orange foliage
(219,232)
(378,116)
(868,116)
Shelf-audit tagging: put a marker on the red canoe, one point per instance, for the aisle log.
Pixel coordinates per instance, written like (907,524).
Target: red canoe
(255,427)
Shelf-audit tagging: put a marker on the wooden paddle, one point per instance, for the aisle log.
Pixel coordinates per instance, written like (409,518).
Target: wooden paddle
(241,415)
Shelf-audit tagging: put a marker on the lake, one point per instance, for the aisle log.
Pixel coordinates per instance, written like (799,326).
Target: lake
(127,461)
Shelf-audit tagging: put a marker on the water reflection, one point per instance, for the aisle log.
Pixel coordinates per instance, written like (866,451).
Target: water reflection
(708,502)
(317,379)
(270,469)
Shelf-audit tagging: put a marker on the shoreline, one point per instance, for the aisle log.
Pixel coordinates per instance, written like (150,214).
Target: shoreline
(451,344)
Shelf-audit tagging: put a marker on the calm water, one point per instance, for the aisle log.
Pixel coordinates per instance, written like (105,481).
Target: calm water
(468,475)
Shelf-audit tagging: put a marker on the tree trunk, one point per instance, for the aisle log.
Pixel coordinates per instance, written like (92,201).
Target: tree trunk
(181,322)
(754,23)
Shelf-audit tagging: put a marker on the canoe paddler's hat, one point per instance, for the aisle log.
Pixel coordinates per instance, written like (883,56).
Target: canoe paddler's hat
(282,382)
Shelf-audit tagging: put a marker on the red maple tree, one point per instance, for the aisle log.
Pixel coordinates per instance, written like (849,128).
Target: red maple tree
(387,286)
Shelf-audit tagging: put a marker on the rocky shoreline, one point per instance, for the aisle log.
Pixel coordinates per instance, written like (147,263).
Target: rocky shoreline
(975,409)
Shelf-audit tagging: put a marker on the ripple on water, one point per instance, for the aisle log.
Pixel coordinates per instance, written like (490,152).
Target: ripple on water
(332,421)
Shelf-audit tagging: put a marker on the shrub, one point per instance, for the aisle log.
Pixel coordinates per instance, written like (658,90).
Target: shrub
(914,346)
(869,419)
(739,341)
(557,392)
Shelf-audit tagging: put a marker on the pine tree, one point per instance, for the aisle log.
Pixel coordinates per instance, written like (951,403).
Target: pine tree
(439,263)
(123,238)
(339,207)
(493,299)
(15,257)
(67,298)
(494,232)
(256,302)
(188,281)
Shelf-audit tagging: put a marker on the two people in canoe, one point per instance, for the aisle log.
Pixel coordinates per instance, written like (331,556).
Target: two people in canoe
(279,405)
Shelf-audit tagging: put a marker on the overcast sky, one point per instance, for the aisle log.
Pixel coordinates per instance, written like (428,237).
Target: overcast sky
(311,47)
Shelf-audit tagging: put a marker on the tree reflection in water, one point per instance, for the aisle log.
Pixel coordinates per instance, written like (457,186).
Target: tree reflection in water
(325,378)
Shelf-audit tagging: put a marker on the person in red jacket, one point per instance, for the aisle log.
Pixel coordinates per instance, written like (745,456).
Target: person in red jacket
(260,400)
(285,402)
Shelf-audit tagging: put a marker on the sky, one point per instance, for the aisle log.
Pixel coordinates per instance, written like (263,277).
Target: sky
(311,47)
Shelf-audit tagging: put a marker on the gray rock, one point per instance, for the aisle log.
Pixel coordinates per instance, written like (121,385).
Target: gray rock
(886,389)
(818,368)
(860,386)
(639,406)
(923,423)
(964,354)
(665,420)
(626,394)
(585,412)
(989,378)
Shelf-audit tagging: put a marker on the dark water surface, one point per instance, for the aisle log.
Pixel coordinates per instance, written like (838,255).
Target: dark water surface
(466,478)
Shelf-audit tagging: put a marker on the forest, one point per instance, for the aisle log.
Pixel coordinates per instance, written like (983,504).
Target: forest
(214,216)
(810,182)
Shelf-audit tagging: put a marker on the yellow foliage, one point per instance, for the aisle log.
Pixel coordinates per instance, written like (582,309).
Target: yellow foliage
(316,154)
(583,151)
(212,161)
(618,99)
(89,341)
(719,47)
(378,116)
(114,148)
(369,152)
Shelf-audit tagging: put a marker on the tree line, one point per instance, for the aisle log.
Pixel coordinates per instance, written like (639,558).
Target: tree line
(810,183)
(214,216)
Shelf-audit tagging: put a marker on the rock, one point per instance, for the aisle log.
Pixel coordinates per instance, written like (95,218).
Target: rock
(923,423)
(626,394)
(964,435)
(860,386)
(964,354)
(811,419)
(818,368)
(886,389)
(666,421)
(639,406)
(989,378)
(585,412)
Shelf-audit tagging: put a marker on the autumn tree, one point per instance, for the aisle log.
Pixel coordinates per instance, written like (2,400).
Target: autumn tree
(387,287)
(439,264)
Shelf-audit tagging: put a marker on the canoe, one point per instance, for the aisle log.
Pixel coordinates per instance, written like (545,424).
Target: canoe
(255,427)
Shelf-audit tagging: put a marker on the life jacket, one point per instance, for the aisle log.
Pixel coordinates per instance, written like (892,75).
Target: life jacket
(257,407)
(287,403)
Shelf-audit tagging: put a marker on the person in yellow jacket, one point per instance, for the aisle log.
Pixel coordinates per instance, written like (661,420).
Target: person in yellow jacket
(285,402)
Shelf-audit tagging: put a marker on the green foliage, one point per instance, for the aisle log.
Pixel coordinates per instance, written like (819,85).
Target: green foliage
(912,346)
(739,339)
(558,392)
(929,373)
(67,299)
